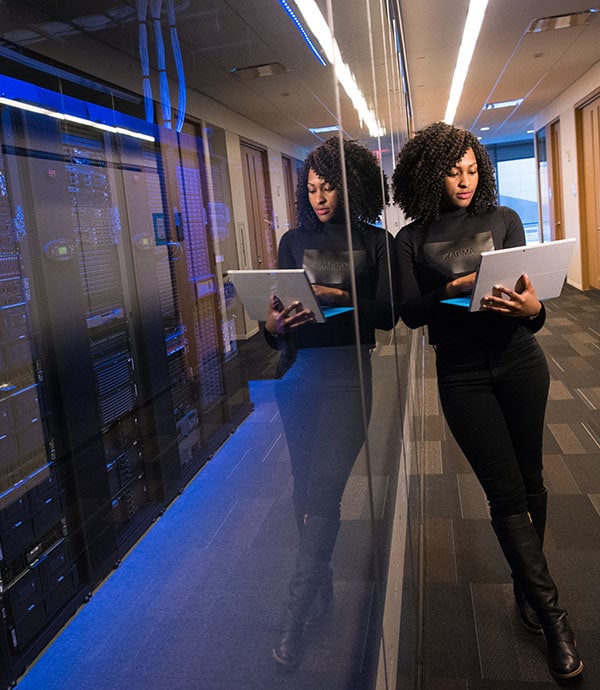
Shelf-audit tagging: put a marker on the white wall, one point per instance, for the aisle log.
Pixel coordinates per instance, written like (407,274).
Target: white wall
(563,109)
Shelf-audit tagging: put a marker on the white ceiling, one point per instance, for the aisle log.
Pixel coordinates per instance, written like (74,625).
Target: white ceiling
(508,62)
(217,36)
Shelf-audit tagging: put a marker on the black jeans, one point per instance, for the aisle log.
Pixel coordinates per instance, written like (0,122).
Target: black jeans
(494,401)
(320,403)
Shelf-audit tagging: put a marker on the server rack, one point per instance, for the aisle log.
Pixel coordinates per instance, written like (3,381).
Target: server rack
(113,385)
(39,578)
(203,416)
(217,193)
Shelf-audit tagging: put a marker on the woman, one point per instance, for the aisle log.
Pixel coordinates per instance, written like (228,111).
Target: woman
(320,398)
(492,375)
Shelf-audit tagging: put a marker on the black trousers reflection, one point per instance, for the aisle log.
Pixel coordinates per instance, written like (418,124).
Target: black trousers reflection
(320,404)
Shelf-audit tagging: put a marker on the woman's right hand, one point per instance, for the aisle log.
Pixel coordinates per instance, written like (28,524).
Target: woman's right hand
(461,286)
(282,319)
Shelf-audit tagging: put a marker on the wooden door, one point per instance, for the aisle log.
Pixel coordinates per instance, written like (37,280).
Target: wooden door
(556,200)
(259,207)
(588,131)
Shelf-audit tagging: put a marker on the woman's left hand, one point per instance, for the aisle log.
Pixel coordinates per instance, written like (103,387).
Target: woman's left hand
(332,296)
(522,302)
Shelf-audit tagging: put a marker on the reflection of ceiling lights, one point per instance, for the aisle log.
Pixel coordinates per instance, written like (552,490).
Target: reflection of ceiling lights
(259,70)
(324,130)
(320,30)
(30,107)
(470,34)
(561,21)
(302,30)
(503,104)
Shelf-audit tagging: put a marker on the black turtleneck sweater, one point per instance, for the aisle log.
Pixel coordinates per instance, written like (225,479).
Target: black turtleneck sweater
(430,256)
(324,254)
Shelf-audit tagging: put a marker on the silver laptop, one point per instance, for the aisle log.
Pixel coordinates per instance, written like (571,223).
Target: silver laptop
(255,288)
(546,265)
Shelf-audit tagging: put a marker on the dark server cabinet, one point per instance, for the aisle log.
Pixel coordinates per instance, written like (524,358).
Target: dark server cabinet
(96,425)
(87,330)
(201,409)
(118,373)
(173,201)
(234,376)
(39,577)
(152,220)
(137,185)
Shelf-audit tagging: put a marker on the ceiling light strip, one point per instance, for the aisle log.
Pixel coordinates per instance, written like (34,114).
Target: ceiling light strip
(29,107)
(294,17)
(471,31)
(320,30)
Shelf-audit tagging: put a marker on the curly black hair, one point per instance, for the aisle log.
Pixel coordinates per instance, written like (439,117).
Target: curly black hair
(366,193)
(424,162)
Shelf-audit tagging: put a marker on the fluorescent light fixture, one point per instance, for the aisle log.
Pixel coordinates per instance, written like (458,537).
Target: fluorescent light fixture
(503,104)
(302,30)
(484,129)
(561,21)
(323,130)
(73,118)
(256,71)
(320,30)
(471,31)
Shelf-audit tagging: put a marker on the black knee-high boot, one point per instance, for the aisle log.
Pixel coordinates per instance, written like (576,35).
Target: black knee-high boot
(537,504)
(322,601)
(523,551)
(299,512)
(312,562)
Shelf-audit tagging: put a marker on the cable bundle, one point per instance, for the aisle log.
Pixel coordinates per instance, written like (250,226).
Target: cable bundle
(165,98)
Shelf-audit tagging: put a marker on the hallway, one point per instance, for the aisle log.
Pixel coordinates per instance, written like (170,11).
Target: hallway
(186,609)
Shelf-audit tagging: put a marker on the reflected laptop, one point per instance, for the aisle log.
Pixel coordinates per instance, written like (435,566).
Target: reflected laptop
(289,284)
(546,265)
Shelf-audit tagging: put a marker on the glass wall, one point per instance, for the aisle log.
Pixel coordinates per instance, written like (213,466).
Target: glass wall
(131,368)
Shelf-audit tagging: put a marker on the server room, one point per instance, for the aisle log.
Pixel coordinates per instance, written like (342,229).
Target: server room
(191,498)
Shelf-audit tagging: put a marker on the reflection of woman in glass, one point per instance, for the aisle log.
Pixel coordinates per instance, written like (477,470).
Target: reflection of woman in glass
(319,398)
(492,375)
